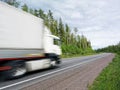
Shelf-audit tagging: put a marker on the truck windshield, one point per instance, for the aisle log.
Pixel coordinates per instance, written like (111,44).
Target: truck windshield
(57,42)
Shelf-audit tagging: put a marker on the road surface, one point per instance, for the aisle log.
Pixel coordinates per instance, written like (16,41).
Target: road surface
(64,77)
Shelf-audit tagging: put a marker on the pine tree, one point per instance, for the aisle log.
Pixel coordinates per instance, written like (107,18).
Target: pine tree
(12,2)
(31,11)
(36,13)
(67,34)
(25,8)
(61,30)
(41,14)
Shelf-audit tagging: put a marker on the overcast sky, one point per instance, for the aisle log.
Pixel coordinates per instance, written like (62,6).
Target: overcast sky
(98,20)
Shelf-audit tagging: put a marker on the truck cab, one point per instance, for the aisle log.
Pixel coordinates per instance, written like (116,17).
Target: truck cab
(51,43)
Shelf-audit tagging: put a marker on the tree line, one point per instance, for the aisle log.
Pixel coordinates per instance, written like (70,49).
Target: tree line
(111,48)
(72,42)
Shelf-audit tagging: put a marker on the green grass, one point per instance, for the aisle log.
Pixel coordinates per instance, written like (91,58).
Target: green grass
(76,55)
(109,78)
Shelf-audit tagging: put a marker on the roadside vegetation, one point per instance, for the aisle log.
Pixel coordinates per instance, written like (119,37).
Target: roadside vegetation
(72,43)
(112,49)
(109,78)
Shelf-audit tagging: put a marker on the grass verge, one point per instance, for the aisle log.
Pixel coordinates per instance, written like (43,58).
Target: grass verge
(109,78)
(76,55)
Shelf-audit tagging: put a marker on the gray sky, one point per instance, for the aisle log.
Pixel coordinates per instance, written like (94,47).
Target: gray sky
(98,20)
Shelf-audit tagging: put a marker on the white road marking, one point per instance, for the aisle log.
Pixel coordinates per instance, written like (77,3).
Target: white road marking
(1,88)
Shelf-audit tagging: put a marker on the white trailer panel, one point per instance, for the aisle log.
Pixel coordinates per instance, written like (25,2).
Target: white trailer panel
(19,29)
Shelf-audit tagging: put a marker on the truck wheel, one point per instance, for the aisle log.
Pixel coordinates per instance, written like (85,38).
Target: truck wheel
(53,64)
(18,70)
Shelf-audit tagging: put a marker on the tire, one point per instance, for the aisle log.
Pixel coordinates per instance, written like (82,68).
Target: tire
(54,63)
(18,70)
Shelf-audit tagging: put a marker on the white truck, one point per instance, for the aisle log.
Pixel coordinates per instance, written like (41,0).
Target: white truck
(26,44)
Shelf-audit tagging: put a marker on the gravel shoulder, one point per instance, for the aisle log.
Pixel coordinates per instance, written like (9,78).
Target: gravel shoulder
(75,79)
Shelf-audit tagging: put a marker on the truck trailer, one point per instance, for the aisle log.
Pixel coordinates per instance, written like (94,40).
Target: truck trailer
(26,44)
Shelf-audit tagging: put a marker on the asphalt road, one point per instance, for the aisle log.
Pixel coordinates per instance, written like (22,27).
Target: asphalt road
(38,76)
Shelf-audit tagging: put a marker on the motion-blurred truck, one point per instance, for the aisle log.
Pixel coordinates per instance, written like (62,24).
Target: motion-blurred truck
(26,44)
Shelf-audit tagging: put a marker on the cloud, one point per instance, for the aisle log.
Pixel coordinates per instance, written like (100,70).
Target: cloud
(90,29)
(76,15)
